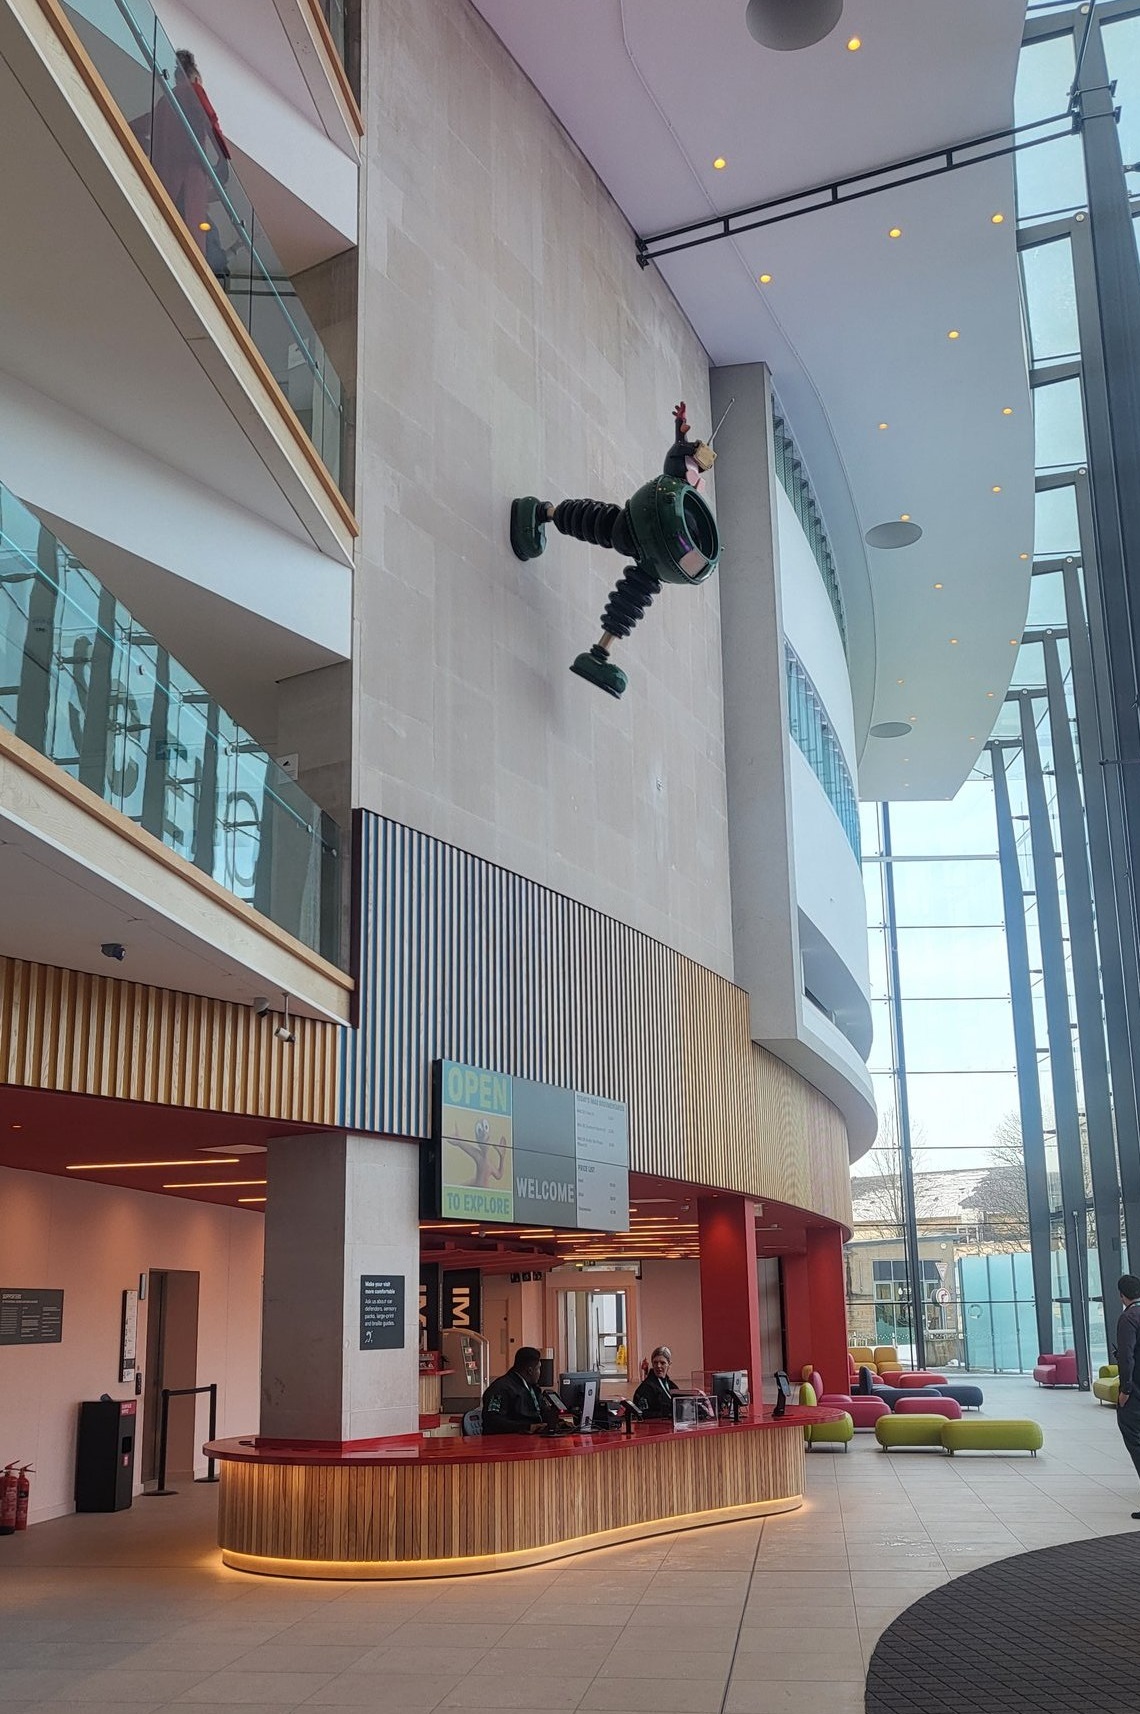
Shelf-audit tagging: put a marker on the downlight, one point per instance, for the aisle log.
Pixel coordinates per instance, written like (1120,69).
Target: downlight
(787,25)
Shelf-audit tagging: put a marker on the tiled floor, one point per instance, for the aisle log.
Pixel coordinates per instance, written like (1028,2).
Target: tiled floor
(133,1611)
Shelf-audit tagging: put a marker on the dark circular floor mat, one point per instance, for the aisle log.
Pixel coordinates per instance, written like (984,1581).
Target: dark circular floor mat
(1051,1632)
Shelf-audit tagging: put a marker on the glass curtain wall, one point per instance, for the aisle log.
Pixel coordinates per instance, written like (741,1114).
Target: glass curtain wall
(1004,951)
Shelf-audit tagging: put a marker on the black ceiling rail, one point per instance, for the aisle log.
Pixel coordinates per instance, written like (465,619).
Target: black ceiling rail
(837,192)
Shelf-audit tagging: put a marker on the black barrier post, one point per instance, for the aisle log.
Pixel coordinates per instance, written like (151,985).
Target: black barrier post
(169,1393)
(211,1475)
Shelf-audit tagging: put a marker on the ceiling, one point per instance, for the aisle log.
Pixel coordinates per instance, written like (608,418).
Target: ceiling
(43,1131)
(59,911)
(853,324)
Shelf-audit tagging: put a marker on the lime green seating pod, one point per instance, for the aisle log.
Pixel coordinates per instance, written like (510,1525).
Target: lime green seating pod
(894,1431)
(985,1434)
(1107,1387)
(836,1433)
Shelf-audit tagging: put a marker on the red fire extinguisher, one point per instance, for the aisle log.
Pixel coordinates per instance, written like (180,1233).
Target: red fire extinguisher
(8,1501)
(23,1495)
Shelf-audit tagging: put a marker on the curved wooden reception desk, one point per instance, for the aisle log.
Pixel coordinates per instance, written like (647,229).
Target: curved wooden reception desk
(444,1508)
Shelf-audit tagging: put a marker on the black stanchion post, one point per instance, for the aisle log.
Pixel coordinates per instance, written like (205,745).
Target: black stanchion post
(163,1432)
(211,1475)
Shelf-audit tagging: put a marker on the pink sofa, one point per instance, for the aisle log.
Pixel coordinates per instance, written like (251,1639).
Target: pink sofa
(913,1378)
(949,1408)
(1056,1369)
(863,1409)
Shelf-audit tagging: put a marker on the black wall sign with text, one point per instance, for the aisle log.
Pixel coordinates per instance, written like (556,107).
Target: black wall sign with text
(381,1312)
(429,1306)
(30,1317)
(462,1304)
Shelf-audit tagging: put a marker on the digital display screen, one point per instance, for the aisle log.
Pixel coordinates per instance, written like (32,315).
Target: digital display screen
(508,1151)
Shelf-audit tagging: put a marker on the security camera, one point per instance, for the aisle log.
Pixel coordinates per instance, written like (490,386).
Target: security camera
(260,1006)
(113,949)
(282,1033)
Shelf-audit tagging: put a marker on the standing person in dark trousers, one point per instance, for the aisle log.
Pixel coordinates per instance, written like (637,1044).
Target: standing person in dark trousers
(1128,1365)
(513,1403)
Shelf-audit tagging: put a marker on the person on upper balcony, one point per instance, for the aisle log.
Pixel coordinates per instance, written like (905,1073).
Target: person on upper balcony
(191,155)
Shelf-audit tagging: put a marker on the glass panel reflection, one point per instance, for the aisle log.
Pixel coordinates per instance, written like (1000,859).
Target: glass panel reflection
(1050,300)
(87,687)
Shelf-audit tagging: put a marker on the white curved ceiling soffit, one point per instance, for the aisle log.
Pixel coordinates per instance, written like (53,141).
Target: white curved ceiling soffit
(853,324)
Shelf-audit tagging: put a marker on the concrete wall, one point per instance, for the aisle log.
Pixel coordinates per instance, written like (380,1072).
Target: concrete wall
(94,1241)
(510,345)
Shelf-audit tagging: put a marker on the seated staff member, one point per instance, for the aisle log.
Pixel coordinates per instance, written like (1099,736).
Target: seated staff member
(513,1403)
(654,1397)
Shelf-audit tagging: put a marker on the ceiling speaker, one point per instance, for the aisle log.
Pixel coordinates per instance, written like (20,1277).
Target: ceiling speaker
(789,24)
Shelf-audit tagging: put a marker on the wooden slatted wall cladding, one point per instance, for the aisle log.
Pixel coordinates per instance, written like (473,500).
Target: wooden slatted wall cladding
(97,1035)
(460,959)
(381,1513)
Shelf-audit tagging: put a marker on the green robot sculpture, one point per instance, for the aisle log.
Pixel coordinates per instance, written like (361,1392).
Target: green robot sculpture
(666,529)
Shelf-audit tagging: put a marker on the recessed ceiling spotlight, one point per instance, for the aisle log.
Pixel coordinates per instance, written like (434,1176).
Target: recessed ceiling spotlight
(205,226)
(854,43)
(895,232)
(1013,642)
(765,279)
(900,681)
(1023,556)
(996,219)
(953,334)
(996,489)
(989,693)
(720,163)
(938,586)
(884,425)
(904,517)
(912,718)
(953,639)
(1007,410)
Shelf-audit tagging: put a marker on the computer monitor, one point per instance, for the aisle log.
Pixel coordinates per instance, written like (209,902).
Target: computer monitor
(724,1383)
(783,1392)
(579,1393)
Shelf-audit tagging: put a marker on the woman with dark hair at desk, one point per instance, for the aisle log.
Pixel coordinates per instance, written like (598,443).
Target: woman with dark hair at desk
(654,1397)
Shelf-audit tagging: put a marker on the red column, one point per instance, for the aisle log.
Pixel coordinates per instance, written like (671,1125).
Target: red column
(828,1299)
(730,1301)
(798,1342)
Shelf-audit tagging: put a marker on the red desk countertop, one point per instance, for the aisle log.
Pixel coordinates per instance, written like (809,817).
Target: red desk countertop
(412,1449)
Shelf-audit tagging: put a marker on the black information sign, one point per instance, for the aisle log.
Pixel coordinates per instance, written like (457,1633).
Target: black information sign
(30,1317)
(381,1312)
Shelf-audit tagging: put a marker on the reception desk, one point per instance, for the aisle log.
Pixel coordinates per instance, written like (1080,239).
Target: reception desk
(444,1508)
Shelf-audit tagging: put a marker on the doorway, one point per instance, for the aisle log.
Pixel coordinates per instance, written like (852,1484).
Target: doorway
(171,1361)
(594,1333)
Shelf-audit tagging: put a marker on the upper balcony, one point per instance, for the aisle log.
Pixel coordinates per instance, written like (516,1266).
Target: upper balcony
(175,127)
(145,304)
(248,901)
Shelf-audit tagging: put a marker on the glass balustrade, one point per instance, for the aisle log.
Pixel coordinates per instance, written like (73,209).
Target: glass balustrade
(334,11)
(140,68)
(795,483)
(86,686)
(812,730)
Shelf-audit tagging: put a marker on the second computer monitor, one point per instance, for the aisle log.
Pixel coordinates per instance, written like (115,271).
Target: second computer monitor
(579,1393)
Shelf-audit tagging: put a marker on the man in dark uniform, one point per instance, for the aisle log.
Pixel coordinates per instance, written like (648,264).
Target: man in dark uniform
(1128,1365)
(513,1403)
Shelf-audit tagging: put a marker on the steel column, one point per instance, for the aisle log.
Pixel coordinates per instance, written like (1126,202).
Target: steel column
(1025,1054)
(906,1160)
(1086,982)
(1061,1065)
